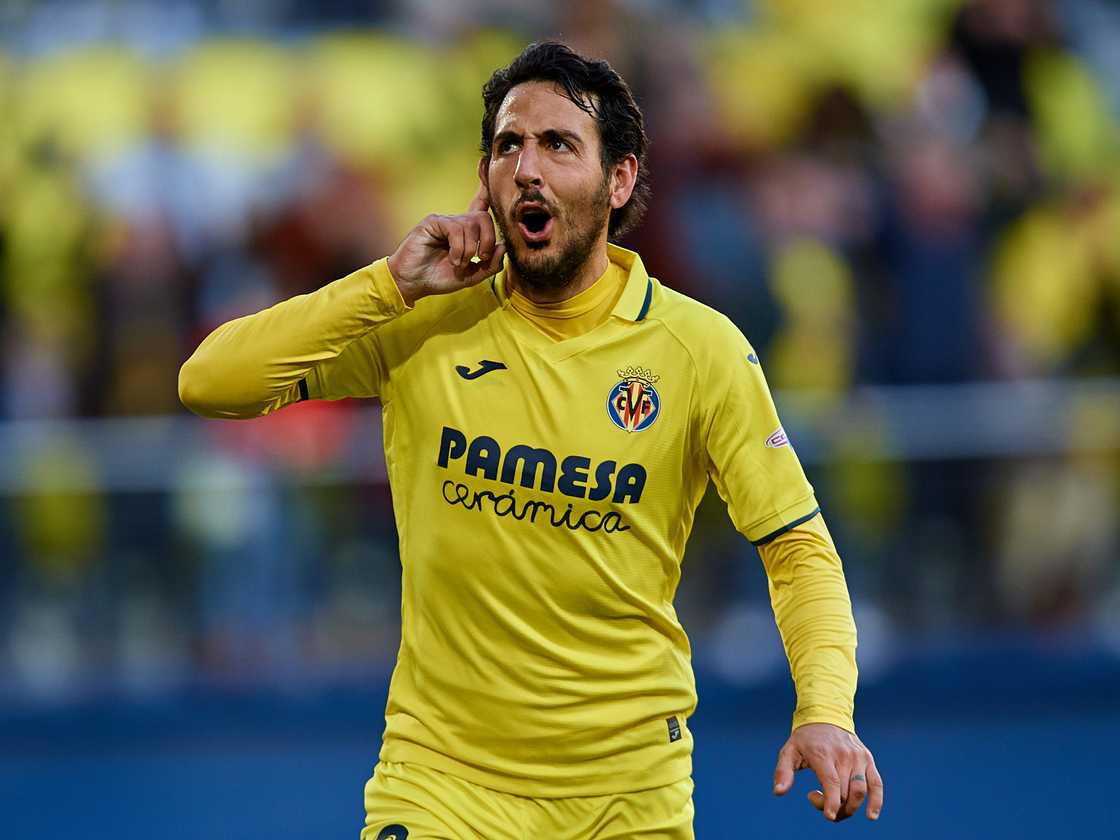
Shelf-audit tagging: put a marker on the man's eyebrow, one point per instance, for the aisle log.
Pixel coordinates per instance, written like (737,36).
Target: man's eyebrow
(548,134)
(507,134)
(563,134)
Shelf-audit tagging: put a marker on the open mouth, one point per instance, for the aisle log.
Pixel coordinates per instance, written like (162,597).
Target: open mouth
(535,223)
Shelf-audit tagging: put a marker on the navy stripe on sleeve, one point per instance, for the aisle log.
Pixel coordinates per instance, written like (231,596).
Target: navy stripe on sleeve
(771,537)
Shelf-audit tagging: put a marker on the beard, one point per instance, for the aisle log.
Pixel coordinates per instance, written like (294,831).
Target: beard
(580,227)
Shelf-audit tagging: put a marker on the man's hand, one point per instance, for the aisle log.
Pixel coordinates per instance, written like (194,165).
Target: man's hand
(844,766)
(435,257)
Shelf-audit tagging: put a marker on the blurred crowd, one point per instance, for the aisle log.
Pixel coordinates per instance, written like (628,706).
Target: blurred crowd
(920,192)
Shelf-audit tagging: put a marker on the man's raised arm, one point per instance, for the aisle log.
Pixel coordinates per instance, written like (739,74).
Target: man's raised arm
(259,363)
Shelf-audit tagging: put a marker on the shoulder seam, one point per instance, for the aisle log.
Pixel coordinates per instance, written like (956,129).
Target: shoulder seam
(692,392)
(688,351)
(684,344)
(714,313)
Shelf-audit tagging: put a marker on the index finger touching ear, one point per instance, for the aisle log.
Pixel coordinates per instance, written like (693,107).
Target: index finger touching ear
(481,200)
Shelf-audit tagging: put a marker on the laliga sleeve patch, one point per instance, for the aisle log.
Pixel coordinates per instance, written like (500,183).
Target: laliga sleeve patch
(778,439)
(396,831)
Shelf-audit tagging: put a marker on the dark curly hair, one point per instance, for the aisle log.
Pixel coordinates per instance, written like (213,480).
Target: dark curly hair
(594,87)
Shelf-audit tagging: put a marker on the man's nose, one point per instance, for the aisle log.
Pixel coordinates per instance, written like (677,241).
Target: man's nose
(528,172)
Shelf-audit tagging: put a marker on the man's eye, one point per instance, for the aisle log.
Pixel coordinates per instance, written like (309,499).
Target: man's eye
(506,146)
(557,145)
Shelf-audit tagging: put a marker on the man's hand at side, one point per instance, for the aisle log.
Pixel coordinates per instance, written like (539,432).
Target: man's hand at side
(435,257)
(844,766)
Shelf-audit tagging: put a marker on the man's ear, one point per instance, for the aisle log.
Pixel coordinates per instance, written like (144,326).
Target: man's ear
(484,175)
(623,178)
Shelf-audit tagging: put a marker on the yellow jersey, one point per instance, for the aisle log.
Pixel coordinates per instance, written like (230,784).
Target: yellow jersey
(543,492)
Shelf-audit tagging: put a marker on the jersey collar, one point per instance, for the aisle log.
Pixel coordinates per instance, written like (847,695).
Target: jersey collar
(634,303)
(636,297)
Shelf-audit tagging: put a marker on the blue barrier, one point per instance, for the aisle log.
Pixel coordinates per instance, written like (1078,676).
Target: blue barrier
(1012,743)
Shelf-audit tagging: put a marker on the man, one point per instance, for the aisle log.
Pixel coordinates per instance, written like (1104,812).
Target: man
(549,434)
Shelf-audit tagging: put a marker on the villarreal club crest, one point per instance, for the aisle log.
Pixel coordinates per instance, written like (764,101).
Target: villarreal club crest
(633,404)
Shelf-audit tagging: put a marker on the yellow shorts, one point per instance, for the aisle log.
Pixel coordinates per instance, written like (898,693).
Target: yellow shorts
(418,803)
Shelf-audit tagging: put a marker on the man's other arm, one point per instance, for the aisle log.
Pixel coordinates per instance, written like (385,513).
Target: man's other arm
(814,616)
(772,504)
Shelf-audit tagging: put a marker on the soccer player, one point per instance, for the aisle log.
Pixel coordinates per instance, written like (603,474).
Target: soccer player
(552,417)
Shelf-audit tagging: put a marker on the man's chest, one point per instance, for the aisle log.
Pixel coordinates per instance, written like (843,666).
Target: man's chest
(627,397)
(590,446)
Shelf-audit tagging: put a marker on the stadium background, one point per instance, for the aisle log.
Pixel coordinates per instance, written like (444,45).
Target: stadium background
(911,207)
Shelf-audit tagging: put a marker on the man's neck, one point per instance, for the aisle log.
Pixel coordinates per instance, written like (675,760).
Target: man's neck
(583,279)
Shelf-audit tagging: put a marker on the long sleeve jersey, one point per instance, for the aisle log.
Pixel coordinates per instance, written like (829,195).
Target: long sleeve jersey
(543,492)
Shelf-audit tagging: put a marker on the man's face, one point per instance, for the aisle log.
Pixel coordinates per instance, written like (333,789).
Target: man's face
(548,191)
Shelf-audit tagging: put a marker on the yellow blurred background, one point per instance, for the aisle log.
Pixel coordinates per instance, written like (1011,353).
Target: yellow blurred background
(912,208)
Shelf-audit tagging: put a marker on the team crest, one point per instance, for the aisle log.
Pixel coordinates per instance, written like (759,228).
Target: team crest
(633,404)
